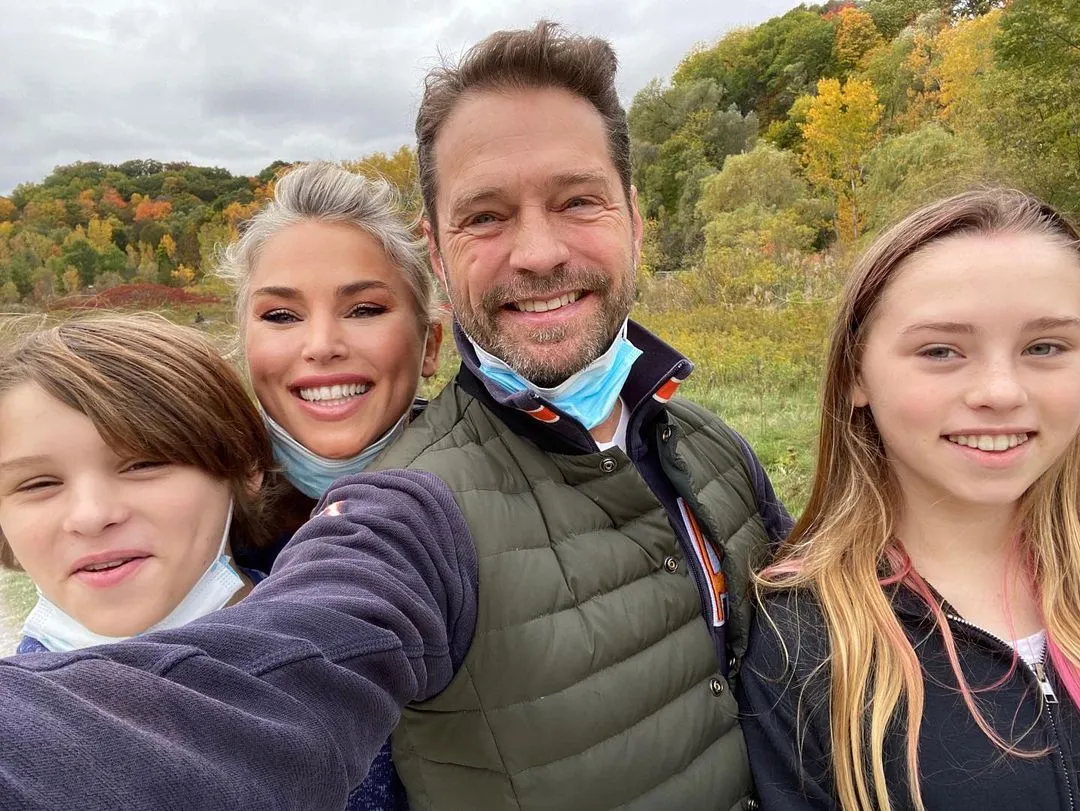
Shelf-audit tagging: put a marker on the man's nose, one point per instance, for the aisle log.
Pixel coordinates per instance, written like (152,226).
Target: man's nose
(539,244)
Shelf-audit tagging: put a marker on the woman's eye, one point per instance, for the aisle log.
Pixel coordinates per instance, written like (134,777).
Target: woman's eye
(279,316)
(366,310)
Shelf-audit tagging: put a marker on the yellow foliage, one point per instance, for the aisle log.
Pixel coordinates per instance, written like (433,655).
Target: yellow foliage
(841,127)
(183,275)
(169,244)
(99,233)
(70,280)
(966,53)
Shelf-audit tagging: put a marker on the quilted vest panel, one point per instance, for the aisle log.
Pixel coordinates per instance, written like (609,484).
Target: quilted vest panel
(592,680)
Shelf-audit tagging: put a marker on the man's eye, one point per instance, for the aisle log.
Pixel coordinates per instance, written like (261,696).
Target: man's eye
(279,316)
(485,218)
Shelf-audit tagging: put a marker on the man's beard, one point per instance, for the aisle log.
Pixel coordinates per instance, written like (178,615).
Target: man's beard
(525,354)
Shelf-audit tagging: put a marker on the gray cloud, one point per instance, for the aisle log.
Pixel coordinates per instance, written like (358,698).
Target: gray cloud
(244,83)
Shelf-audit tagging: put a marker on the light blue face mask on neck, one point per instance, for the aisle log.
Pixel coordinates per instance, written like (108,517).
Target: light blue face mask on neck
(312,474)
(589,395)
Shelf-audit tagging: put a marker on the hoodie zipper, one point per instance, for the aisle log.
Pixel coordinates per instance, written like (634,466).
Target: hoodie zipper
(1049,696)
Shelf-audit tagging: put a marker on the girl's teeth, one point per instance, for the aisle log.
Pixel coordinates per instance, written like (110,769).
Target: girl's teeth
(989,442)
(331,393)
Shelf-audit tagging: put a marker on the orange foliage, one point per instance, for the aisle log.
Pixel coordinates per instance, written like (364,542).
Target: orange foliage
(152,209)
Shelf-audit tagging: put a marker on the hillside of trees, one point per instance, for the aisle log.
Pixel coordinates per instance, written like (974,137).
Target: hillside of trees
(762,162)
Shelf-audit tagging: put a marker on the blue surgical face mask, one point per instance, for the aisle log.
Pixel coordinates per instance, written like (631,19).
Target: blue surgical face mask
(59,631)
(588,396)
(312,474)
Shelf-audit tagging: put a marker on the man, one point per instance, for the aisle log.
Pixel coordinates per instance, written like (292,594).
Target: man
(555,586)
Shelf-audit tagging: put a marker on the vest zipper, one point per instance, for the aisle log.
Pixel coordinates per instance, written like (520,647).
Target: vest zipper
(1049,696)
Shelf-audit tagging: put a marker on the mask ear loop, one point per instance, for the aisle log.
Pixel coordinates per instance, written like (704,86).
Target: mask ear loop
(225,534)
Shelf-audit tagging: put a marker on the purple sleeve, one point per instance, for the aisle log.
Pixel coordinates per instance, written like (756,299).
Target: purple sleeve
(279,702)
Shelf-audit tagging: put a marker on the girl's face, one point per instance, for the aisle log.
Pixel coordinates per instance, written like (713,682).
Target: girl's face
(972,368)
(333,342)
(116,542)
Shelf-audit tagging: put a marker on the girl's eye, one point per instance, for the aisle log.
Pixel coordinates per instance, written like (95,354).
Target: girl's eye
(939,353)
(1044,350)
(366,310)
(279,316)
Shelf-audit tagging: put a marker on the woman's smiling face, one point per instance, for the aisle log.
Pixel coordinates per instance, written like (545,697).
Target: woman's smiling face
(334,343)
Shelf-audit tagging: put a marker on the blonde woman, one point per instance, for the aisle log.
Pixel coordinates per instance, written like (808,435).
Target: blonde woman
(919,643)
(337,314)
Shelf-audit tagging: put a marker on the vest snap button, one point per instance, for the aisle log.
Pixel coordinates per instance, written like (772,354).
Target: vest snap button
(665,434)
(671,563)
(717,686)
(607,464)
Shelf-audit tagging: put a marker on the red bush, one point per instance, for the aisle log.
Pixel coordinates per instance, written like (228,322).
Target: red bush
(146,296)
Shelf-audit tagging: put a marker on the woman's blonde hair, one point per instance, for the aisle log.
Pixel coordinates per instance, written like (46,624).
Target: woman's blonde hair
(325,192)
(156,391)
(843,548)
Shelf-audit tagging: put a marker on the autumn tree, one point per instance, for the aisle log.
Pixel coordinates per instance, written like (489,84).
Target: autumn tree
(856,35)
(400,168)
(841,127)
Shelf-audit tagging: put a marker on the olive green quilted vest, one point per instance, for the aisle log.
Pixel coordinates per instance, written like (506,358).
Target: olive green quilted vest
(592,681)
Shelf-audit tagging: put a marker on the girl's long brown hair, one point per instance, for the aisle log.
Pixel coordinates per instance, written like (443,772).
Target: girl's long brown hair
(843,548)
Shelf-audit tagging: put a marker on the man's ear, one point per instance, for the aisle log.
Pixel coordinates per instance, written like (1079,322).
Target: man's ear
(434,256)
(637,225)
(431,350)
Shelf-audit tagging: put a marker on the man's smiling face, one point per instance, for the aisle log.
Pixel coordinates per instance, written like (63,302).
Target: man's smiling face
(537,240)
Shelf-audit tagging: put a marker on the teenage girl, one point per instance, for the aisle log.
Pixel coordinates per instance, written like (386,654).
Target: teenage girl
(919,640)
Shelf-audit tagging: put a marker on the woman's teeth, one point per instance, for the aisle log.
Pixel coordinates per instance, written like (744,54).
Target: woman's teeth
(989,442)
(327,394)
(538,306)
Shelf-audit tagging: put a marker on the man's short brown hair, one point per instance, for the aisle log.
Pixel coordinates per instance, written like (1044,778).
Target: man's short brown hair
(541,57)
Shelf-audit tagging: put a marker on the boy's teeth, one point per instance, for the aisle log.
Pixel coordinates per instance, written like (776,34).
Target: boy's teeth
(542,306)
(328,393)
(98,567)
(989,442)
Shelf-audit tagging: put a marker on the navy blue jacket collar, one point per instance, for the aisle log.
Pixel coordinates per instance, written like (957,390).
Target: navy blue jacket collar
(653,380)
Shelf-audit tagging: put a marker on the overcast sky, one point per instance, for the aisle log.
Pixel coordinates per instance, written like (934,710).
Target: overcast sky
(241,83)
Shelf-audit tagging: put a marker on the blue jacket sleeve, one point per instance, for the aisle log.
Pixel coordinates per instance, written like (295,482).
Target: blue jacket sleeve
(279,702)
(778,522)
